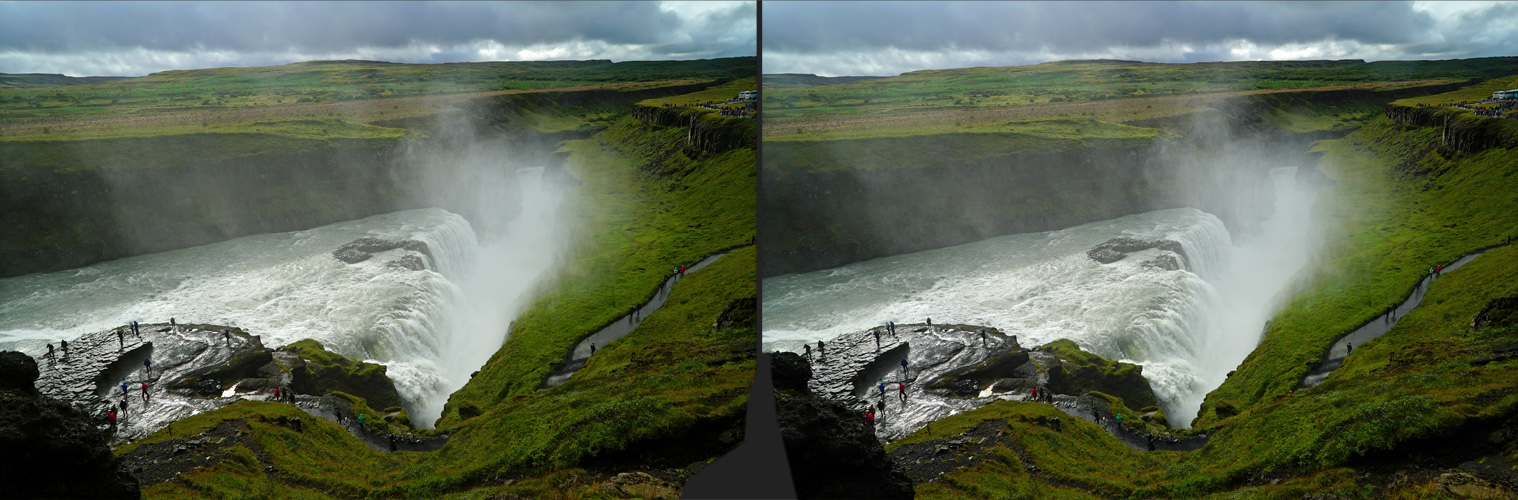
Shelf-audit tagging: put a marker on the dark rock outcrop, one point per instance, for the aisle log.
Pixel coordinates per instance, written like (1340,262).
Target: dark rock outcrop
(1079,372)
(1003,363)
(831,448)
(362,249)
(706,131)
(319,371)
(1115,249)
(789,371)
(1499,313)
(52,449)
(1162,262)
(18,372)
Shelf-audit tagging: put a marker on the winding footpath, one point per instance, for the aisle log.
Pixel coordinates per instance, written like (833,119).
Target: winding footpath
(620,327)
(1379,325)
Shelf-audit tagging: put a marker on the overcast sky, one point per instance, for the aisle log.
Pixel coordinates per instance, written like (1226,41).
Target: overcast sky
(137,38)
(890,38)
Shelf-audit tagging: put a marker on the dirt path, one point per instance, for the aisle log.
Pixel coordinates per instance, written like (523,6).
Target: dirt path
(1379,325)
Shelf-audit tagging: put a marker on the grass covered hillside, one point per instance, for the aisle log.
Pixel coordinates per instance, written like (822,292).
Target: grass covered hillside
(360,91)
(1433,397)
(1113,91)
(671,394)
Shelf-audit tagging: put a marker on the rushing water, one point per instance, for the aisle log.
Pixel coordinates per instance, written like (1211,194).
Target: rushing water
(1187,328)
(431,327)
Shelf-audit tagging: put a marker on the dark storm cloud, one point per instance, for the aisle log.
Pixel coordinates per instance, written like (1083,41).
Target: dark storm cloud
(888,34)
(110,34)
(807,26)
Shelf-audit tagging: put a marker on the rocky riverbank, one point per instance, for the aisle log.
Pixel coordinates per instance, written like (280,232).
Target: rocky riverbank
(200,368)
(955,368)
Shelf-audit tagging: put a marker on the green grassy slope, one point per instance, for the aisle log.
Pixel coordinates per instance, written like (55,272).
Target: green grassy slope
(638,227)
(1401,203)
(1400,207)
(663,395)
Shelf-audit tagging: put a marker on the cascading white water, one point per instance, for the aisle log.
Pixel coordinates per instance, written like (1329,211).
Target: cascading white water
(431,328)
(1187,328)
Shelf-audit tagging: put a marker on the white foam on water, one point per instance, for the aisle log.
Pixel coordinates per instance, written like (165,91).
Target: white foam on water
(1187,328)
(431,327)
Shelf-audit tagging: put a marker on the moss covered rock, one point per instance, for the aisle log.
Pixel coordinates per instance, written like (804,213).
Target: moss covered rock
(1080,372)
(323,371)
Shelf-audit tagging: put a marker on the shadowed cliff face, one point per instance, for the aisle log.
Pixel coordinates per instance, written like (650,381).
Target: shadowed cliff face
(831,448)
(831,203)
(69,204)
(53,449)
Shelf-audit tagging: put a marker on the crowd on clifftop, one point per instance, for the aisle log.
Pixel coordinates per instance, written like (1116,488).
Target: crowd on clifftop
(735,108)
(1503,109)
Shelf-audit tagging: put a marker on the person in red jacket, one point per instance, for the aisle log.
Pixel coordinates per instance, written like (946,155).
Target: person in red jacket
(870,416)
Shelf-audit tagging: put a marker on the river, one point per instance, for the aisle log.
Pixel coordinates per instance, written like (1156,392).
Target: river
(431,328)
(1187,328)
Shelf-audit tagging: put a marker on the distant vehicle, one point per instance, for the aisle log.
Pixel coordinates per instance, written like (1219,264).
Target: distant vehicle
(1505,95)
(748,95)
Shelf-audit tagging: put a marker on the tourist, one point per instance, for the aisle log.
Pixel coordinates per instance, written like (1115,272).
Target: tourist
(65,345)
(1033,394)
(869,417)
(903,367)
(121,338)
(592,348)
(148,363)
(276,394)
(877,338)
(144,392)
(50,351)
(173,325)
(893,328)
(821,351)
(930,321)
(804,347)
(1348,348)
(110,416)
(882,390)
(123,388)
(227,336)
(135,331)
(902,388)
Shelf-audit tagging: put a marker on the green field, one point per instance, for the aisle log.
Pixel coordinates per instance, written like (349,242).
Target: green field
(357,91)
(1401,203)
(662,396)
(1113,91)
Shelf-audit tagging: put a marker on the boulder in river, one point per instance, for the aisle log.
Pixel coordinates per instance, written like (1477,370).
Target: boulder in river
(1116,249)
(362,249)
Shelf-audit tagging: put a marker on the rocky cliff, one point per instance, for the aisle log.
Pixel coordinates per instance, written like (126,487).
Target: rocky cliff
(1460,130)
(53,449)
(706,132)
(832,202)
(831,448)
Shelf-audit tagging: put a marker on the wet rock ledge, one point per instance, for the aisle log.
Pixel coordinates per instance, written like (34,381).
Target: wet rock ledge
(956,368)
(199,368)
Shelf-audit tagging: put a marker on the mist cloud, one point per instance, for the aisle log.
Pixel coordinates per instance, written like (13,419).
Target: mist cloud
(136,38)
(888,38)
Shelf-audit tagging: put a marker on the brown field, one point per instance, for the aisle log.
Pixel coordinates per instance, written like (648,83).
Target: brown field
(1115,111)
(363,111)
